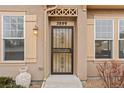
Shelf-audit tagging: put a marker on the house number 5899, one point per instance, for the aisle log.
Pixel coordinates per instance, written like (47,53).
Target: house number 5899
(61,23)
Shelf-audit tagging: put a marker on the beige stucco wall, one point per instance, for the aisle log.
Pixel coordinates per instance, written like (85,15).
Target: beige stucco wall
(35,68)
(81,43)
(84,62)
(80,64)
(97,13)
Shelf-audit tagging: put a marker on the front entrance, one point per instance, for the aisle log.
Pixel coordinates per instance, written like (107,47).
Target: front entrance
(62,50)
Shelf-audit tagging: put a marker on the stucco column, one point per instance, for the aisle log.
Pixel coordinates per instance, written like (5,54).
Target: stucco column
(81,43)
(47,53)
(46,46)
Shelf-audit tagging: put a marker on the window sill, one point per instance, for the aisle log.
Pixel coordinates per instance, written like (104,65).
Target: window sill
(121,60)
(101,60)
(12,62)
(104,60)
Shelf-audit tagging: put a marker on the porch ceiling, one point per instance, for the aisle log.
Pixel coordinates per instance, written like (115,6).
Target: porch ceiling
(105,7)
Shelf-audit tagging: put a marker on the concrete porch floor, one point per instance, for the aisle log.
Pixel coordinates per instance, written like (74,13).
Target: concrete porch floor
(63,81)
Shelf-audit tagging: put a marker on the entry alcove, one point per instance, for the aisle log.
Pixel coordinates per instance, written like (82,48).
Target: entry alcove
(61,56)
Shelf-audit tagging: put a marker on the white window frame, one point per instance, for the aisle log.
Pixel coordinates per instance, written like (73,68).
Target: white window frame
(119,38)
(2,42)
(99,59)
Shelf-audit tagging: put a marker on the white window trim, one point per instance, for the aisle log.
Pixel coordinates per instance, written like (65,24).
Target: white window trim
(2,45)
(99,59)
(119,38)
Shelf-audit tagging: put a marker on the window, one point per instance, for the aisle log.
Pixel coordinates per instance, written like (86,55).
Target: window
(103,38)
(103,48)
(13,37)
(121,38)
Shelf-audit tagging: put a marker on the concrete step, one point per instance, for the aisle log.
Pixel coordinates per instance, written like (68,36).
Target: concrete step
(63,81)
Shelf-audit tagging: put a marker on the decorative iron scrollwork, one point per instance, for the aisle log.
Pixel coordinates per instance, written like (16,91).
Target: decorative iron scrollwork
(62,61)
(62,38)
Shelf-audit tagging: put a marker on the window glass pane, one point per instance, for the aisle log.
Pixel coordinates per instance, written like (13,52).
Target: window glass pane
(13,19)
(14,49)
(7,33)
(20,33)
(6,27)
(20,19)
(6,19)
(15,28)
(20,27)
(104,29)
(121,48)
(103,48)
(121,29)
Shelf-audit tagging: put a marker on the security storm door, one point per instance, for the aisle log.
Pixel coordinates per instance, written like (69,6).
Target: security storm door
(62,50)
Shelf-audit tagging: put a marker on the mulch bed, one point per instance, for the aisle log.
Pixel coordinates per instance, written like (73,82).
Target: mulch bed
(95,83)
(36,85)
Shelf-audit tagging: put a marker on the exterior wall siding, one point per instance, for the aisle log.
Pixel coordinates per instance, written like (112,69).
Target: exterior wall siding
(84,62)
(109,13)
(35,68)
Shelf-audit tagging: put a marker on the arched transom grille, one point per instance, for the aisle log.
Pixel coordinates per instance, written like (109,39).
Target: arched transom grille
(63,12)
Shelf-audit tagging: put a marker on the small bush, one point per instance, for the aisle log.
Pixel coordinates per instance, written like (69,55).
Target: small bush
(7,82)
(112,73)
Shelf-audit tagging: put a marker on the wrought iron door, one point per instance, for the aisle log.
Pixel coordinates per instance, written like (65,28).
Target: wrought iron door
(62,50)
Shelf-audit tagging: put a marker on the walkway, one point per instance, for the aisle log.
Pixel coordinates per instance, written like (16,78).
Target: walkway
(63,81)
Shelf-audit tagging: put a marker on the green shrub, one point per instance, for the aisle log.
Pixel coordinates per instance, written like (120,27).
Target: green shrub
(7,82)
